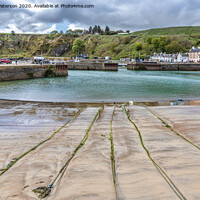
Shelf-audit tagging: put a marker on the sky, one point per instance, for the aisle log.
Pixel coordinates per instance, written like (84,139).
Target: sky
(117,14)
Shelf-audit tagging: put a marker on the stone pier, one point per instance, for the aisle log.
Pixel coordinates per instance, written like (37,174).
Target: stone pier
(99,66)
(20,72)
(164,66)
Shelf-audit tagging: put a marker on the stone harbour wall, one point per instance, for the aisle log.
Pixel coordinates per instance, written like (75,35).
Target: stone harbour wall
(164,67)
(93,66)
(20,72)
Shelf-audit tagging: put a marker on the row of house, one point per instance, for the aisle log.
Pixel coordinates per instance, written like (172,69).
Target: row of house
(164,57)
(192,56)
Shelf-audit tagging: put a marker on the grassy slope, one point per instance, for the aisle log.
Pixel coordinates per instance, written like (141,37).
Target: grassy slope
(115,46)
(104,45)
(109,45)
(185,30)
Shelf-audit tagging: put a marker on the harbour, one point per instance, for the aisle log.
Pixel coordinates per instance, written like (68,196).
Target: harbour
(106,86)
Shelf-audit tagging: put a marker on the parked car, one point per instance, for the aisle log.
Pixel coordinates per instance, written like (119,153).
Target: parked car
(6,61)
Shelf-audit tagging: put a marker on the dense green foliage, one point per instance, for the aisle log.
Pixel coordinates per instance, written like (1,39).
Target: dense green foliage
(78,46)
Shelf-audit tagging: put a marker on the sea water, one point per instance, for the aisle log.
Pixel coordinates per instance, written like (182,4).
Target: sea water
(100,86)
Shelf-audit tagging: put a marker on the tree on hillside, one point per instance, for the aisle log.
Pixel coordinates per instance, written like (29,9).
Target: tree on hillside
(98,29)
(54,32)
(186,45)
(126,40)
(107,30)
(148,49)
(13,32)
(135,54)
(128,31)
(149,39)
(113,46)
(78,46)
(173,47)
(95,29)
(162,44)
(138,46)
(70,32)
(78,31)
(90,30)
(155,43)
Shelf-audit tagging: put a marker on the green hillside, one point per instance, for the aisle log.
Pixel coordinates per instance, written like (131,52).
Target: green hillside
(170,40)
(184,30)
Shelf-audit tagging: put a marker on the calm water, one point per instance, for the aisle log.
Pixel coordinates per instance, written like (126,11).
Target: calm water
(106,86)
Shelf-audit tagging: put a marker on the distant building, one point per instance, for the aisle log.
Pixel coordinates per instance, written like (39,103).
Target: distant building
(82,56)
(125,59)
(181,57)
(163,57)
(194,54)
(107,58)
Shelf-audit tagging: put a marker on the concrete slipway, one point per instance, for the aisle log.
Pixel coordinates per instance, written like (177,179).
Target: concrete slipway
(110,152)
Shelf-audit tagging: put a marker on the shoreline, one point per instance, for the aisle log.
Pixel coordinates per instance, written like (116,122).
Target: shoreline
(107,103)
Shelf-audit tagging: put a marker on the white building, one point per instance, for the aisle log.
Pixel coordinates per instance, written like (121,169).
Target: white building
(107,58)
(181,57)
(163,57)
(125,59)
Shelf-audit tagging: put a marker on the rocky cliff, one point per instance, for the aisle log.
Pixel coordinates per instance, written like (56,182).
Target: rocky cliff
(26,45)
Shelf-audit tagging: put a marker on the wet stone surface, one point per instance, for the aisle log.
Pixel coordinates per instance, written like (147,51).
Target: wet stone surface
(88,175)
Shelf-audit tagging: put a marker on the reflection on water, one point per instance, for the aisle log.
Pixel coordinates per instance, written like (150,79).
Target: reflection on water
(106,86)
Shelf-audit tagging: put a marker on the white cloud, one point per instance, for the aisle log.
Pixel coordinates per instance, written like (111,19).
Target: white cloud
(127,14)
(52,28)
(76,26)
(10,27)
(38,27)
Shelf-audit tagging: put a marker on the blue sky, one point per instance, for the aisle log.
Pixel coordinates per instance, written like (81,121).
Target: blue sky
(127,14)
